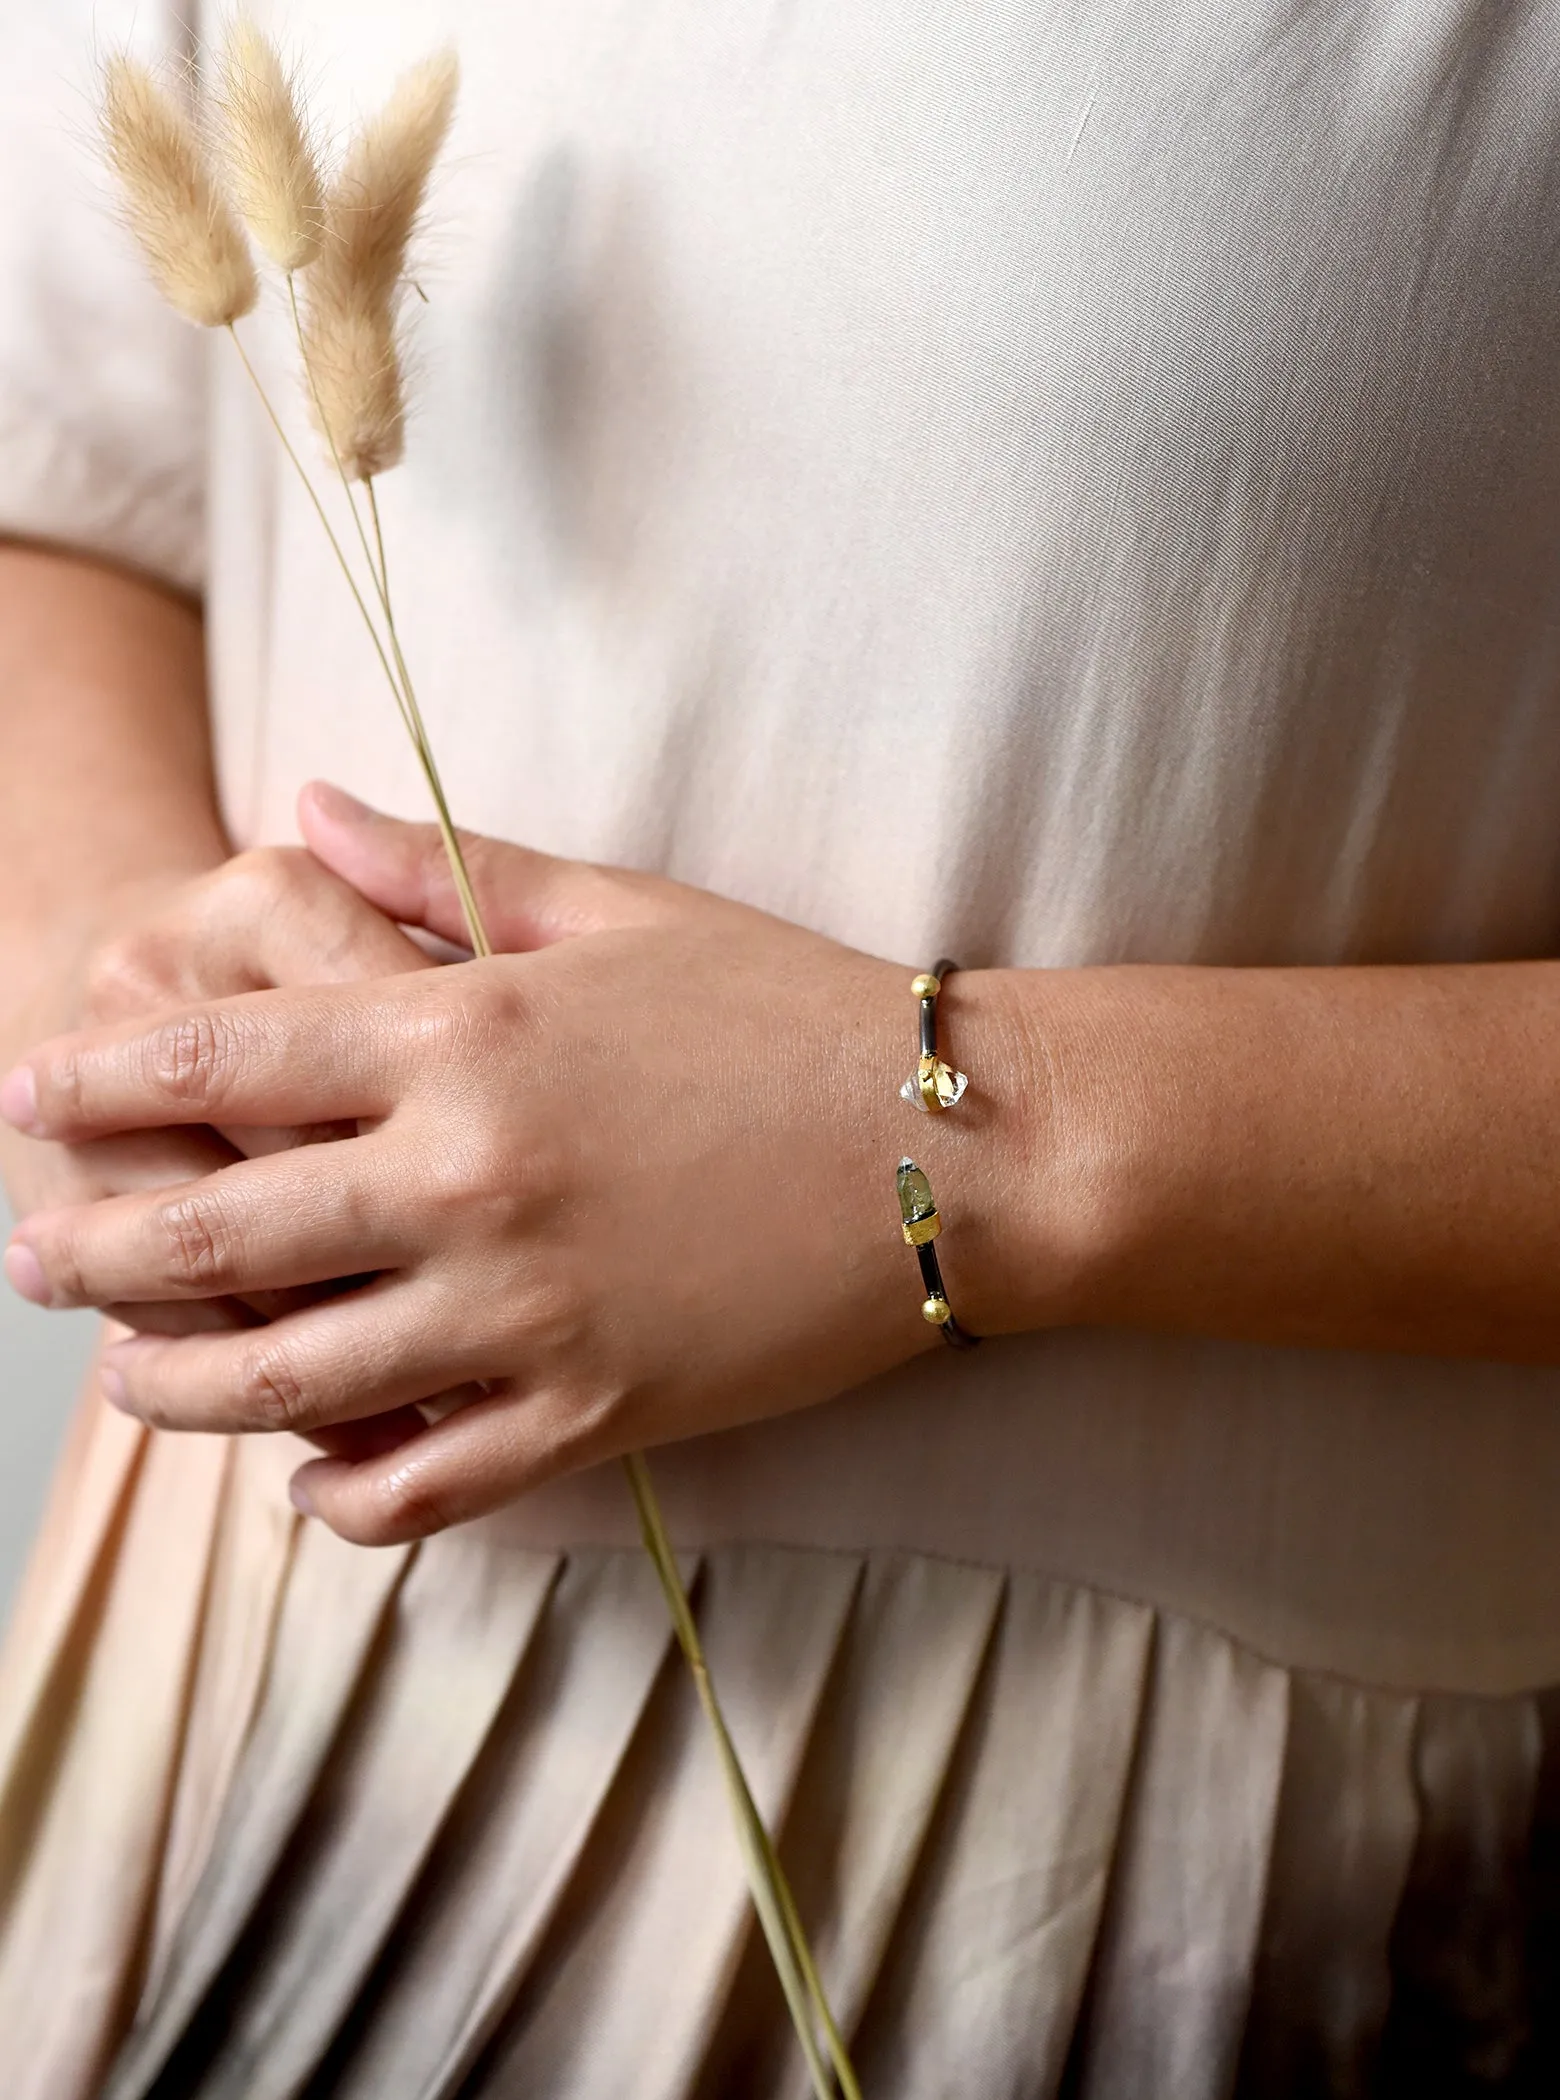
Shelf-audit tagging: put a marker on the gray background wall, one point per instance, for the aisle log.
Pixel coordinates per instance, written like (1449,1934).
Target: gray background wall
(42,1357)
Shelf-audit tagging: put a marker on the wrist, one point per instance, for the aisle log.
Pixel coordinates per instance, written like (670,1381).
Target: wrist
(1031,1167)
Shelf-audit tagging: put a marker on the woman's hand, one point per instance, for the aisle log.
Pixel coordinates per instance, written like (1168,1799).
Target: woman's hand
(261,919)
(637,1182)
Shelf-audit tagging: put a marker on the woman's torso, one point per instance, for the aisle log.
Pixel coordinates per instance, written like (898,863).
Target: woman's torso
(1050,486)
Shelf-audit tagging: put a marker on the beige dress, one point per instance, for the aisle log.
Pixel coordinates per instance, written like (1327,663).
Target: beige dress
(1052,484)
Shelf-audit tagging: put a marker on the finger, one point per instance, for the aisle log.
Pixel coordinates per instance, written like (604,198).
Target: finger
(249,1142)
(272,916)
(311,1055)
(193,1316)
(527,899)
(261,1225)
(211,1315)
(135,1159)
(372,1435)
(306,924)
(393,1343)
(462,1467)
(148,1159)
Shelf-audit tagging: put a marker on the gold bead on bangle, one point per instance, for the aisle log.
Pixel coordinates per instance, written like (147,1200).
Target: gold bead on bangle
(934,1085)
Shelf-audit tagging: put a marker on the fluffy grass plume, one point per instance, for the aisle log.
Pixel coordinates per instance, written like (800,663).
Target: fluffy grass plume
(272,166)
(353,287)
(355,384)
(193,245)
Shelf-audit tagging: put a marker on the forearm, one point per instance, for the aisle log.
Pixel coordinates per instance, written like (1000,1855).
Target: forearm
(106,786)
(1364,1158)
(107,781)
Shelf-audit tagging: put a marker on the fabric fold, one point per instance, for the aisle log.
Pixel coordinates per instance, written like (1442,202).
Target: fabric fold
(91,1485)
(884,1736)
(256,1536)
(627,1990)
(459,1625)
(491,1889)
(444,1824)
(90,1820)
(332,1617)
(1171,1990)
(1348,1818)
(1462,2011)
(991,1955)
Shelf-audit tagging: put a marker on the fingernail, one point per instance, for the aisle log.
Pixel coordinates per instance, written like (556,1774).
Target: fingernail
(113,1387)
(130,1346)
(298,1494)
(24,1273)
(338,803)
(19,1098)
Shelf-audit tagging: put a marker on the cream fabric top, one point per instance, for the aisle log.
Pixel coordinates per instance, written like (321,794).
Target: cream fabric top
(1047,485)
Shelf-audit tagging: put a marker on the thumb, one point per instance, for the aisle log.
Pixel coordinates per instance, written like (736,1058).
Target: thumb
(527,899)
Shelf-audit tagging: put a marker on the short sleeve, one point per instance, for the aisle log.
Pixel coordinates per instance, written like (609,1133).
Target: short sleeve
(101,386)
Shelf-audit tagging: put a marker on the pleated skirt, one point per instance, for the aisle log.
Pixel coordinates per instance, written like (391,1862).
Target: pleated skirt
(287,1820)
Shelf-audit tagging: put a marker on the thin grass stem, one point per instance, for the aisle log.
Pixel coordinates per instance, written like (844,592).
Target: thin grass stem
(302,473)
(769,1888)
(401,681)
(451,837)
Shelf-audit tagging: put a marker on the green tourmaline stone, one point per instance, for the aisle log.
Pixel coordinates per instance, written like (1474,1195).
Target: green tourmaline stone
(916,1201)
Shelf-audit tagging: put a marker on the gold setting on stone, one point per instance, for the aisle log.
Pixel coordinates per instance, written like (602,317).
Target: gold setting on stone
(917,1205)
(934,1086)
(921,1225)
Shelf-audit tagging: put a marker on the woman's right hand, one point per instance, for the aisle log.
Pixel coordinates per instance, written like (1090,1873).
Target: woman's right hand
(261,921)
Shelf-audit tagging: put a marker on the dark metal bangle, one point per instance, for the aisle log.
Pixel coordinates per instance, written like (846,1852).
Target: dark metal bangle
(933,1086)
(921,1223)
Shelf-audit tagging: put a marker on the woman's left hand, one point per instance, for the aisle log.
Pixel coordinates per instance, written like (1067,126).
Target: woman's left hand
(636,1180)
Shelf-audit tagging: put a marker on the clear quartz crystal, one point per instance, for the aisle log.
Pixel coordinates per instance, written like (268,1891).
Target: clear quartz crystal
(949,1084)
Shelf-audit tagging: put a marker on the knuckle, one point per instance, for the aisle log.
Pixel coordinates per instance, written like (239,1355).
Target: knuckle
(273,1394)
(482,1183)
(617,897)
(405,1504)
(448,1191)
(439,1022)
(68,1284)
(472,1016)
(267,871)
(589,1425)
(549,1319)
(125,971)
(65,1091)
(156,1410)
(575,1423)
(188,1059)
(201,1242)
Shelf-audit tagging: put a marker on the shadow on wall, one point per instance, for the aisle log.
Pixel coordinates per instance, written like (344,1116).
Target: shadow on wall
(42,1359)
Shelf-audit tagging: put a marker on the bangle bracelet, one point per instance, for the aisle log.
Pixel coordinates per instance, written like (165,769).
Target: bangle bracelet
(933,1085)
(918,1210)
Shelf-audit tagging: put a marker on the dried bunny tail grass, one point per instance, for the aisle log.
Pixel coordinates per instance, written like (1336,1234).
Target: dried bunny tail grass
(272,165)
(371,212)
(192,243)
(354,373)
(374,203)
